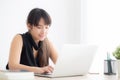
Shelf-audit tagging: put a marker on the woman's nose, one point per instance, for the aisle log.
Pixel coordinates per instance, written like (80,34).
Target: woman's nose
(44,30)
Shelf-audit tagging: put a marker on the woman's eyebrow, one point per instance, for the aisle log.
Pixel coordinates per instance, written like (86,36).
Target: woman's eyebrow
(40,25)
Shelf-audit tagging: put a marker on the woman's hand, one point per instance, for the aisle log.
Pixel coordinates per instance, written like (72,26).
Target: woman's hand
(46,69)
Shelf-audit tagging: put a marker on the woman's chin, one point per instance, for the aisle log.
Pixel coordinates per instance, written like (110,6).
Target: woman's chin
(41,39)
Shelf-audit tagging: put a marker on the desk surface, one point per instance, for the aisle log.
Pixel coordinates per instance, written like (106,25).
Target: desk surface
(87,77)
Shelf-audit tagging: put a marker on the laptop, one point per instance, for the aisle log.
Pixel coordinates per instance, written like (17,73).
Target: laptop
(74,60)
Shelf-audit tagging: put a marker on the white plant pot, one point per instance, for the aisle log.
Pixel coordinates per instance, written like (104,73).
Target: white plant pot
(118,68)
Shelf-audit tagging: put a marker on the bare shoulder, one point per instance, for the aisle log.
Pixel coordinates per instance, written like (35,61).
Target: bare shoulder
(18,36)
(51,45)
(17,39)
(49,42)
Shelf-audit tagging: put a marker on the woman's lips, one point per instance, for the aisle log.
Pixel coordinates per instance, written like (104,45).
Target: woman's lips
(41,36)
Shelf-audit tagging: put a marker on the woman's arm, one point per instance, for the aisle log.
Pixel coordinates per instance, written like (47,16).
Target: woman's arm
(53,52)
(15,54)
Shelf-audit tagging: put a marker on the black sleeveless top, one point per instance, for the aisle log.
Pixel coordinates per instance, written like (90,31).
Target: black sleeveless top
(27,56)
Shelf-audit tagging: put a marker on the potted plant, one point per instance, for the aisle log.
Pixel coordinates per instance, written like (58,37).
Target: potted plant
(116,54)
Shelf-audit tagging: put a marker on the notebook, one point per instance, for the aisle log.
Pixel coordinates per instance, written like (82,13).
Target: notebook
(74,60)
(16,75)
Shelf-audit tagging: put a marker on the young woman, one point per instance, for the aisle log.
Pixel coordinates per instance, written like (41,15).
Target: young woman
(31,51)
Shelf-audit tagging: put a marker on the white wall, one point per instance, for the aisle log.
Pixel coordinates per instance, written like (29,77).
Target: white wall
(103,28)
(65,22)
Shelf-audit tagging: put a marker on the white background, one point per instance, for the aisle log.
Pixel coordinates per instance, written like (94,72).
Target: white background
(103,28)
(73,21)
(65,22)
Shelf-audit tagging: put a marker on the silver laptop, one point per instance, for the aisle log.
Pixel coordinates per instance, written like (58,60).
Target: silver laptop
(74,60)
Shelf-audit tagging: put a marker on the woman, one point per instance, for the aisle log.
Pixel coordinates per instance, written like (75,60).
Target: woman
(31,51)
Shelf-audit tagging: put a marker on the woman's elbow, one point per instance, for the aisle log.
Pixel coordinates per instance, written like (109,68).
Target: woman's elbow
(13,66)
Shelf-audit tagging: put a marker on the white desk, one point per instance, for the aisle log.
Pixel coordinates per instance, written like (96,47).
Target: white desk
(87,77)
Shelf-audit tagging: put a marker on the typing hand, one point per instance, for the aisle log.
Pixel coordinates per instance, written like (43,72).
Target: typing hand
(48,69)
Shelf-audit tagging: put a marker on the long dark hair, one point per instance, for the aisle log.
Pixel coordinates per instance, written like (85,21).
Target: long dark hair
(44,58)
(36,14)
(33,19)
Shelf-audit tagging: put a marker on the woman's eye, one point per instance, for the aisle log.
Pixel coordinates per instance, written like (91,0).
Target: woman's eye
(39,27)
(46,27)
(42,27)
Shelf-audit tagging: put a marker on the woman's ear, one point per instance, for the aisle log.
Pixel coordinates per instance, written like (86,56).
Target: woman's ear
(29,26)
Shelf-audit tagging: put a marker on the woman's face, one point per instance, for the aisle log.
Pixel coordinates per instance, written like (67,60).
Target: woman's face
(39,33)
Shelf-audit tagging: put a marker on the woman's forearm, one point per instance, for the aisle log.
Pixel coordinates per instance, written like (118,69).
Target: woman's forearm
(24,67)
